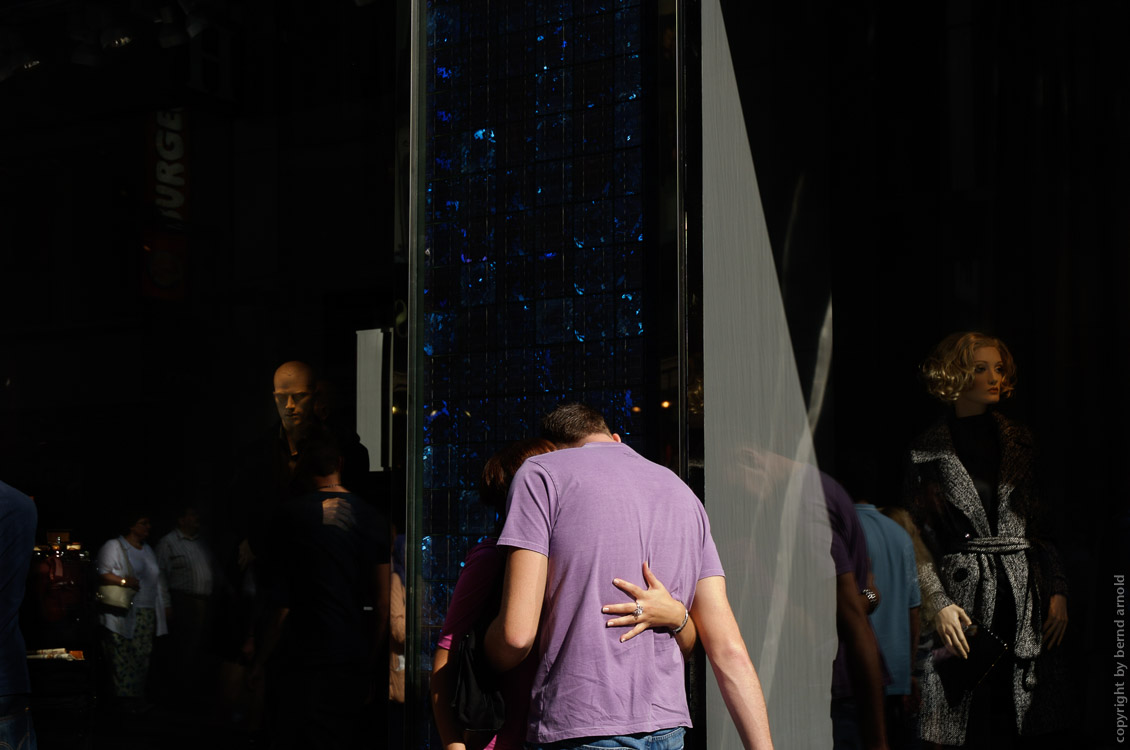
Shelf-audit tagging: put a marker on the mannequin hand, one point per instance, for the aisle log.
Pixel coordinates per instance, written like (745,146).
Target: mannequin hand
(1056,623)
(337,512)
(659,609)
(951,621)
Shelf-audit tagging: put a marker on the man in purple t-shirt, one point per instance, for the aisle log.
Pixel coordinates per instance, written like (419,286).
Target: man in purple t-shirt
(577,518)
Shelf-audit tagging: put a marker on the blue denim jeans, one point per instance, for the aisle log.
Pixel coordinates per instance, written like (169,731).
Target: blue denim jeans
(16,731)
(664,739)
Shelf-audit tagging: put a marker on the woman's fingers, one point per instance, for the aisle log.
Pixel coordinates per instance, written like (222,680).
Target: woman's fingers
(633,633)
(628,588)
(625,608)
(652,581)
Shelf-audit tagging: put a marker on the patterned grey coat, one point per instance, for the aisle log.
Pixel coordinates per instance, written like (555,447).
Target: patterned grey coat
(969,560)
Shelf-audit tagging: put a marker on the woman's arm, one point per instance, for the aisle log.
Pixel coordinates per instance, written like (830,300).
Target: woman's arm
(111,566)
(113,579)
(441,688)
(660,610)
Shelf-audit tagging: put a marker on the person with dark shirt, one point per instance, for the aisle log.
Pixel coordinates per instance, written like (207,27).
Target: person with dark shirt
(858,672)
(17,539)
(328,620)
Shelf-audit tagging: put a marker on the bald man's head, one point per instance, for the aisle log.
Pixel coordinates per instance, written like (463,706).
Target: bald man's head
(294,396)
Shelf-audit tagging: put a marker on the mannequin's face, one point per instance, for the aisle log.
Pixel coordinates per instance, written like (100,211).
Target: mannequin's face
(988,375)
(294,398)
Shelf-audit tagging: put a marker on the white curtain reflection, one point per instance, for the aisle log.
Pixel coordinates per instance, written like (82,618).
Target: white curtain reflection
(763,493)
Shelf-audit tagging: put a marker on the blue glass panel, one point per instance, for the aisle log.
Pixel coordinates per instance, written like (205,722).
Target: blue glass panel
(553,90)
(628,123)
(440,338)
(447,198)
(554,320)
(629,314)
(549,11)
(479,328)
(445,158)
(588,271)
(448,68)
(596,85)
(596,129)
(593,224)
(629,219)
(438,245)
(598,311)
(478,283)
(629,170)
(478,69)
(554,277)
(554,181)
(480,194)
(628,36)
(517,328)
(435,600)
(515,194)
(518,14)
(595,38)
(633,364)
(553,137)
(481,150)
(518,279)
(588,7)
(444,24)
(444,284)
(596,176)
(480,244)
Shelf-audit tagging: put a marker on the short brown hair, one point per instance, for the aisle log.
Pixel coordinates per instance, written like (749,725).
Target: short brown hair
(948,371)
(499,471)
(569,424)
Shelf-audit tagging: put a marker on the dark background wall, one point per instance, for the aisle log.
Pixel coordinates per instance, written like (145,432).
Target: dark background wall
(122,380)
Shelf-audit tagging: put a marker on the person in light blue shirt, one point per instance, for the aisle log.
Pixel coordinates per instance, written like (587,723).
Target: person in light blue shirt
(896,621)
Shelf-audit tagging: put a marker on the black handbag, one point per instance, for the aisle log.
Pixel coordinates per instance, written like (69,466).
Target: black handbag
(477,698)
(986,650)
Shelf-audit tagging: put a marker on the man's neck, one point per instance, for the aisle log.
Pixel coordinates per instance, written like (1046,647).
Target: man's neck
(596,437)
(330,481)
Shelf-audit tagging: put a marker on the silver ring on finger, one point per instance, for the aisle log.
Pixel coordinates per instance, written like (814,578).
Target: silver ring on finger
(638,611)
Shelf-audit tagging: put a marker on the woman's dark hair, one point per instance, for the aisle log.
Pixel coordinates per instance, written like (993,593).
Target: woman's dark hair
(494,483)
(125,518)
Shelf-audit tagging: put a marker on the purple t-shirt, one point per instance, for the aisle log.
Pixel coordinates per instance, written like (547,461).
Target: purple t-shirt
(598,512)
(849,551)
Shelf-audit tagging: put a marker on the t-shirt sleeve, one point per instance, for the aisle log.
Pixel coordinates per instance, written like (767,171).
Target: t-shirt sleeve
(529,512)
(711,562)
(108,560)
(844,521)
(482,571)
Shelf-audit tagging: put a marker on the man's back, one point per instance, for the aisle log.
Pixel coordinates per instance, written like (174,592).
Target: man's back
(597,512)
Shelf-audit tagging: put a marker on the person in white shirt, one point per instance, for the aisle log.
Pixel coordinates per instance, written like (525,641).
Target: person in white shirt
(188,566)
